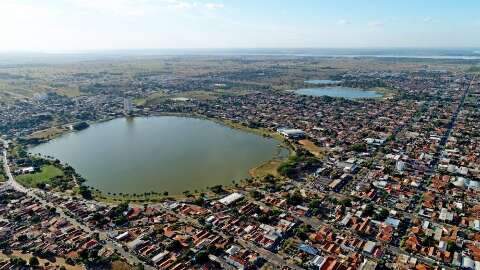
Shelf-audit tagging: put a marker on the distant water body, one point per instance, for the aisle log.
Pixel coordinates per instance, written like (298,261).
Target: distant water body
(160,154)
(64,57)
(461,54)
(339,91)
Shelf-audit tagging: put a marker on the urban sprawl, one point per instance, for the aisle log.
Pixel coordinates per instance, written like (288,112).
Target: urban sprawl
(387,183)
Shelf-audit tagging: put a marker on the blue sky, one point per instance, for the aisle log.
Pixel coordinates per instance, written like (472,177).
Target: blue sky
(73,25)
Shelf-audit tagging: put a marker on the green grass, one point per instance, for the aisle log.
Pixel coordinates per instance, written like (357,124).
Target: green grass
(2,173)
(44,176)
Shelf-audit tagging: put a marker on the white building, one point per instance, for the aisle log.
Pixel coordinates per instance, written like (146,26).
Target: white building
(231,198)
(127,106)
(291,133)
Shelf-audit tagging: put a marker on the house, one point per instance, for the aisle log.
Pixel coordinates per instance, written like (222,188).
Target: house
(369,247)
(157,258)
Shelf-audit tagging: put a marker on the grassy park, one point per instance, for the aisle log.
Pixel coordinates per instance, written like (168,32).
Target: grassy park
(46,173)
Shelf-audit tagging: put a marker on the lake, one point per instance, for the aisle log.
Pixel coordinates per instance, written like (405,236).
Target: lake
(166,153)
(338,91)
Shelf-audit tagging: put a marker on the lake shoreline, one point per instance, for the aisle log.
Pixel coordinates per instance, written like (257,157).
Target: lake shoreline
(225,123)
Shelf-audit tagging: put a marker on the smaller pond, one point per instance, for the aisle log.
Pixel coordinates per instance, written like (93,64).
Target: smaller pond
(339,91)
(320,82)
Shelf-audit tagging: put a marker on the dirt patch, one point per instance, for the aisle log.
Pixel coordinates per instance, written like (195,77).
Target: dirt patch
(47,134)
(312,148)
(120,265)
(269,167)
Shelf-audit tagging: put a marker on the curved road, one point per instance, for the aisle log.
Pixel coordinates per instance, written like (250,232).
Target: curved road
(11,183)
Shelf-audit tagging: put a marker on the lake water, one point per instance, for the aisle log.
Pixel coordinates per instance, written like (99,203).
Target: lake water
(338,91)
(160,154)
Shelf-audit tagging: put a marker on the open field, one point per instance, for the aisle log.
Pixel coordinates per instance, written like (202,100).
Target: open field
(46,173)
(259,131)
(119,265)
(312,148)
(47,134)
(386,92)
(268,168)
(475,69)
(196,75)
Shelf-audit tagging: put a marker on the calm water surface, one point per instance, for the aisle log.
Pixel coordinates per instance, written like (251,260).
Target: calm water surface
(159,154)
(338,91)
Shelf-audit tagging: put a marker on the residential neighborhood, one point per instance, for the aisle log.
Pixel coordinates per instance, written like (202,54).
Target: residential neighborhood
(387,183)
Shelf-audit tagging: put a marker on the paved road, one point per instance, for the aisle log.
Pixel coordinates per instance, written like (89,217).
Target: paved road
(271,257)
(11,183)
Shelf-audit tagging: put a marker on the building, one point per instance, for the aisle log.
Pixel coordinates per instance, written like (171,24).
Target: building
(292,133)
(127,106)
(231,198)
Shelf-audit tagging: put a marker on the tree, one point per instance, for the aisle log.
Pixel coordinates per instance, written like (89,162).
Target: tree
(201,257)
(35,219)
(80,126)
(257,195)
(315,206)
(359,147)
(174,246)
(18,261)
(85,192)
(199,201)
(41,185)
(295,198)
(217,189)
(382,215)
(428,241)
(302,231)
(269,178)
(287,169)
(70,261)
(368,210)
(346,202)
(451,246)
(33,261)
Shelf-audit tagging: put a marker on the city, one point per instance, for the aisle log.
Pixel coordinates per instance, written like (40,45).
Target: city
(179,134)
